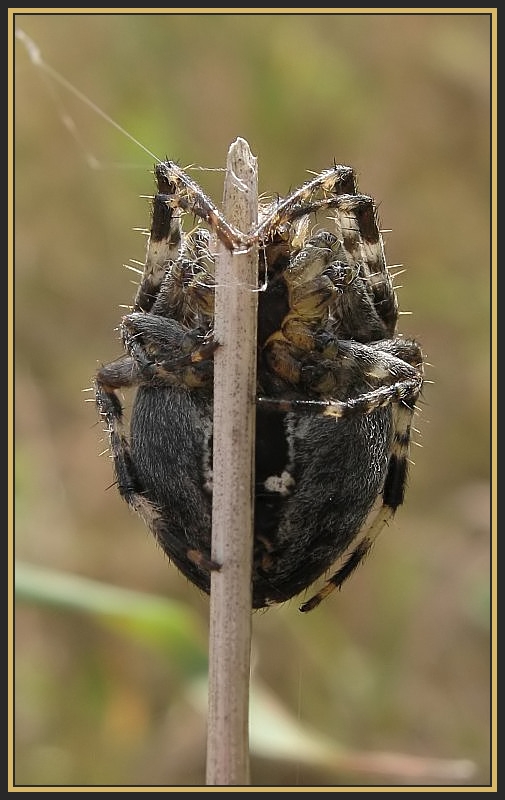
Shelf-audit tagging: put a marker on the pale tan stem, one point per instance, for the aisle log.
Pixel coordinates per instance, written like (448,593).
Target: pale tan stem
(233,482)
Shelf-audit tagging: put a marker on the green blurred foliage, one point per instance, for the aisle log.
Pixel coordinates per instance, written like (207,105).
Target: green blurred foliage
(399,661)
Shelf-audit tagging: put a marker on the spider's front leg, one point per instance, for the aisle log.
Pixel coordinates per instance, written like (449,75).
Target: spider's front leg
(356,224)
(329,185)
(163,245)
(173,258)
(187,195)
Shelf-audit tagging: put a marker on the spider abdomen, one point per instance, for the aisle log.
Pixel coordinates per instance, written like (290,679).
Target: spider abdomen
(310,510)
(309,504)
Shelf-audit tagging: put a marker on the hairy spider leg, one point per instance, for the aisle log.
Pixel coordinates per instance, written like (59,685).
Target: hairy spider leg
(163,245)
(332,182)
(189,196)
(357,225)
(178,272)
(167,352)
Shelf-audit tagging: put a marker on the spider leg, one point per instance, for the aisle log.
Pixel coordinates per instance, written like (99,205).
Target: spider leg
(335,181)
(356,222)
(187,195)
(163,245)
(356,227)
(403,391)
(187,291)
(186,294)
(166,352)
(177,279)
(119,374)
(345,377)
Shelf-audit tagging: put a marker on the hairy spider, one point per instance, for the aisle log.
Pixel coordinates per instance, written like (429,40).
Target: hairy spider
(336,385)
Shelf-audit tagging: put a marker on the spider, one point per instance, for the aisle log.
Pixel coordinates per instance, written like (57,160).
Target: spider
(337,386)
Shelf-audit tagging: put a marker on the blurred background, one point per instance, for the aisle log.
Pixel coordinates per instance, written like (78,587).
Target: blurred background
(388,681)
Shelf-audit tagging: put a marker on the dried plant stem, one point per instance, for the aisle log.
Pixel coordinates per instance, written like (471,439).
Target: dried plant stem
(234,436)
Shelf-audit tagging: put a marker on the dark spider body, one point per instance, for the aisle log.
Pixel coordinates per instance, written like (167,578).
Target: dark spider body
(336,388)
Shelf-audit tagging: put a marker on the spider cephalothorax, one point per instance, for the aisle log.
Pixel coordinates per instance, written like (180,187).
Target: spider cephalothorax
(337,386)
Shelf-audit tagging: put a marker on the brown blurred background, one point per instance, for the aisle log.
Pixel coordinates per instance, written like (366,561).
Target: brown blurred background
(108,672)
